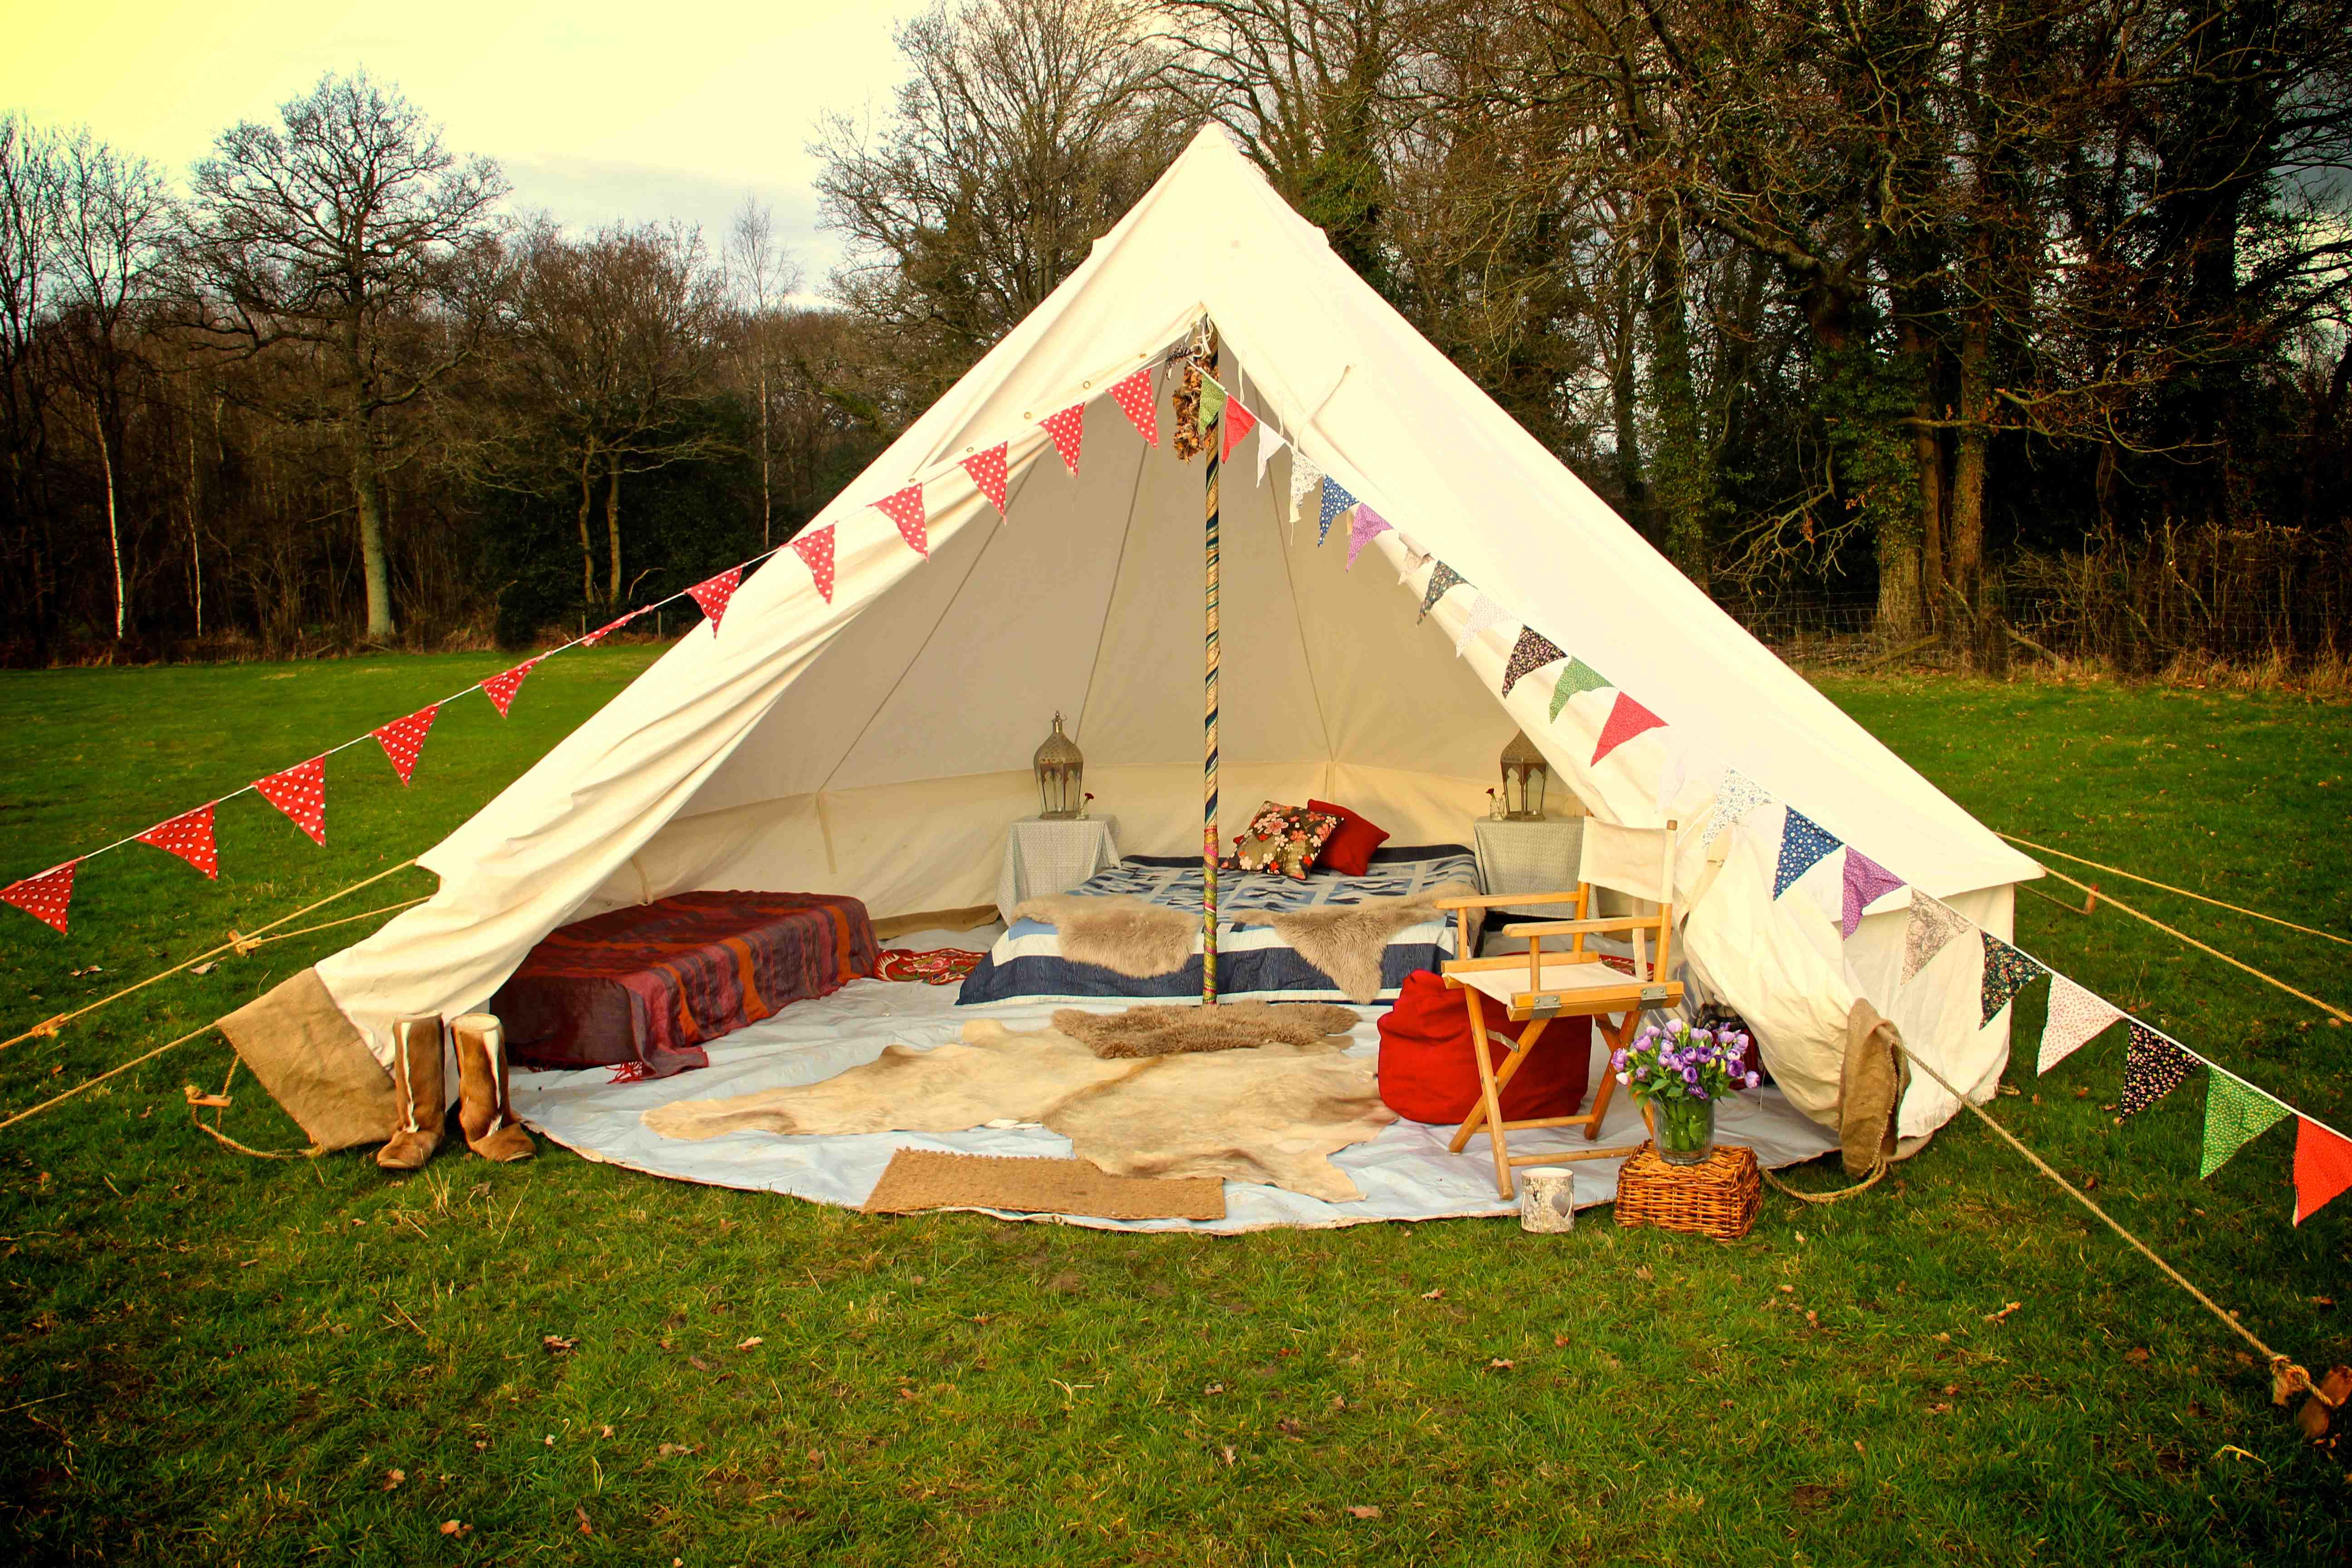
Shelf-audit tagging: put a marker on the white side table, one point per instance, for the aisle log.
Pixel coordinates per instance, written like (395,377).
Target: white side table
(1529,858)
(1042,857)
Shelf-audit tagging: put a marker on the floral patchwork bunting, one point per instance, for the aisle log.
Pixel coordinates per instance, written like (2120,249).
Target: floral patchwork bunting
(1530,654)
(190,836)
(1483,613)
(905,508)
(815,550)
(713,594)
(2007,972)
(2323,1166)
(300,792)
(1626,720)
(1443,580)
(988,473)
(1068,429)
(1803,843)
(1934,924)
(47,896)
(1867,882)
(2075,1015)
(2236,1113)
(1306,479)
(1737,796)
(1138,400)
(2153,1068)
(1336,499)
(1577,676)
(402,740)
(1212,404)
(1367,526)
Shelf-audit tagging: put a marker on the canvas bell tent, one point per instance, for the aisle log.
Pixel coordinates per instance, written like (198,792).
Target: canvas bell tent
(862,721)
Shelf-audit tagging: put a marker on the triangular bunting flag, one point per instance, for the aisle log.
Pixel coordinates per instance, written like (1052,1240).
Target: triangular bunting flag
(987,471)
(1336,499)
(2075,1015)
(1626,720)
(2007,972)
(2323,1161)
(403,739)
(905,508)
(1867,882)
(1933,926)
(1577,676)
(190,836)
(1269,442)
(500,689)
(1803,843)
(1069,428)
(2236,1113)
(1442,582)
(2153,1068)
(815,550)
(1530,654)
(1734,798)
(1213,403)
(1306,479)
(300,792)
(1367,526)
(47,897)
(1138,400)
(1239,422)
(712,594)
(590,640)
(1483,613)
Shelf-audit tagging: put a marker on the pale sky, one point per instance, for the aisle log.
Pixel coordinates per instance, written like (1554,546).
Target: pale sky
(598,111)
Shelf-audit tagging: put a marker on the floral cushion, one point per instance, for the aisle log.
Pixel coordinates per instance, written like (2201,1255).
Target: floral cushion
(1283,839)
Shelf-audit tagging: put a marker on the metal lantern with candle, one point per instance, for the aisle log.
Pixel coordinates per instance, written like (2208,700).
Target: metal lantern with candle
(1061,776)
(1525,772)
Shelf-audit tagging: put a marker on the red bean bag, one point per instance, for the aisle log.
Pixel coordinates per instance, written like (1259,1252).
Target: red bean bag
(1427,1073)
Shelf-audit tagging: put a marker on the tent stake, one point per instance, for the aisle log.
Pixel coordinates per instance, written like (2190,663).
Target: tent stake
(1209,834)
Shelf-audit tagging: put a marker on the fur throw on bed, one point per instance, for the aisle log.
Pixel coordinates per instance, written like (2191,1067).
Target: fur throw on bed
(1124,935)
(1227,1026)
(1132,937)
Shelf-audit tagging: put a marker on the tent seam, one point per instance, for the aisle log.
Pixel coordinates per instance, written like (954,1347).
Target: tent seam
(1110,600)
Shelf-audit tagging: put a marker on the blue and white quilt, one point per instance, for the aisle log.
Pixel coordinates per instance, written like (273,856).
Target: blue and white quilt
(1026,962)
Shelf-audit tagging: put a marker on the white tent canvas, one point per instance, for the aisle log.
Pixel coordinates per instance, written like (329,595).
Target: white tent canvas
(877,743)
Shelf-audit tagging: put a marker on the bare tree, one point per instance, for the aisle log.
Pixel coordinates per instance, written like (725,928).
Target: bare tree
(762,273)
(324,234)
(28,212)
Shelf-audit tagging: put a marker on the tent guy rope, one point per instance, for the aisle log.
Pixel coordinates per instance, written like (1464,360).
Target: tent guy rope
(2184,892)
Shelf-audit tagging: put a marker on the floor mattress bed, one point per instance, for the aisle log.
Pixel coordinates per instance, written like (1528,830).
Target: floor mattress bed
(642,988)
(1026,963)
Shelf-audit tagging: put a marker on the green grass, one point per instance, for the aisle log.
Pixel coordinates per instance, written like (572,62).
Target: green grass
(220,1360)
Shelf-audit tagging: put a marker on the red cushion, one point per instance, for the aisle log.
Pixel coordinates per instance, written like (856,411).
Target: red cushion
(1348,851)
(1427,1073)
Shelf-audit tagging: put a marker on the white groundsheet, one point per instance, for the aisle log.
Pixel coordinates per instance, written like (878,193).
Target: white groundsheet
(1405,1174)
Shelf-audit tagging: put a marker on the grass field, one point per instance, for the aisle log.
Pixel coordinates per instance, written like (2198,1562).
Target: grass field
(212,1359)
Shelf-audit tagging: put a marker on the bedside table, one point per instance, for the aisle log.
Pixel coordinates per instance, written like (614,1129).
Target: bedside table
(1529,858)
(1045,857)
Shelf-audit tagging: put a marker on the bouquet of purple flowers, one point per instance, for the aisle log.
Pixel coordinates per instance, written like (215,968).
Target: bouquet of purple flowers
(1679,1073)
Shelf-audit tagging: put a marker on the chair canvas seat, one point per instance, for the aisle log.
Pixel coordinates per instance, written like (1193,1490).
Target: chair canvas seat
(1505,984)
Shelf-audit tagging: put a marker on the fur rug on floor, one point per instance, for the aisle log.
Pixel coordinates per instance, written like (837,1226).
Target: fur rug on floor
(1228,1027)
(1124,935)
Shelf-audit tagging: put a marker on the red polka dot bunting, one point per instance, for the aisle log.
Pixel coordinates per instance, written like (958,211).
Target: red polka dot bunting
(44,897)
(593,638)
(905,508)
(1239,422)
(500,689)
(190,836)
(1068,428)
(300,792)
(1137,400)
(815,550)
(714,595)
(403,739)
(987,471)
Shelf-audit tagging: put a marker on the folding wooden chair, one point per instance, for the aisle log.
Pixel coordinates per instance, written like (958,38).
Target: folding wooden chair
(1540,986)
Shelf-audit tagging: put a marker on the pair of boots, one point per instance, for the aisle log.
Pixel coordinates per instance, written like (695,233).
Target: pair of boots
(484,1112)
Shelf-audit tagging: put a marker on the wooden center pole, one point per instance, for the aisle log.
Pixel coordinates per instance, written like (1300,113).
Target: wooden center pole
(1209,833)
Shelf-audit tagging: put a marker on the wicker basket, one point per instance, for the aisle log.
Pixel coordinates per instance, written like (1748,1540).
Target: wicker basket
(1718,1199)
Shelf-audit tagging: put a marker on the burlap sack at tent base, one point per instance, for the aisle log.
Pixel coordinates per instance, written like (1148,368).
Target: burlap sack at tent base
(921,1179)
(1871,1086)
(312,1062)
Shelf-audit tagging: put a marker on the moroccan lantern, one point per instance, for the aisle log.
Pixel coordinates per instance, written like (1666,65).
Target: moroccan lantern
(1524,773)
(1061,776)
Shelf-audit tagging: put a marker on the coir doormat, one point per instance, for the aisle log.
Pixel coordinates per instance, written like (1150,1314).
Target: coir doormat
(920,1178)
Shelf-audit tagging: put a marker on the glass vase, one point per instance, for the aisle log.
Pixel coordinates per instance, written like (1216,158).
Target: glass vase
(1684,1130)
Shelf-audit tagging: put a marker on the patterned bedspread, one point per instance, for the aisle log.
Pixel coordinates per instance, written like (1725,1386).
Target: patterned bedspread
(641,988)
(1177,884)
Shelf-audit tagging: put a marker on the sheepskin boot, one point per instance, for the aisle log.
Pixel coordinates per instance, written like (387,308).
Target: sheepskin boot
(416,1079)
(483,1109)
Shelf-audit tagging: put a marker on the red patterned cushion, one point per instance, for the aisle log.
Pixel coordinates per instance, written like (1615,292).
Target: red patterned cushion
(1350,850)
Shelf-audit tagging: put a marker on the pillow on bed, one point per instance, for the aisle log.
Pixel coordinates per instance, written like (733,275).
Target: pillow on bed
(1350,850)
(1283,839)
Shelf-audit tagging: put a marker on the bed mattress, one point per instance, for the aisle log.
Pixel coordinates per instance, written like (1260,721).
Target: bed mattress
(1026,963)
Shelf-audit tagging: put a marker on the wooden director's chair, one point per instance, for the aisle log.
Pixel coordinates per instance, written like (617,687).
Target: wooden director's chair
(1575,983)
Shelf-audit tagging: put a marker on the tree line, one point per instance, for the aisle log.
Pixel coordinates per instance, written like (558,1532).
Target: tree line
(1980,324)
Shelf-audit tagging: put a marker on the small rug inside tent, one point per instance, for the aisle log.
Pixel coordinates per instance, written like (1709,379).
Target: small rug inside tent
(1405,1172)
